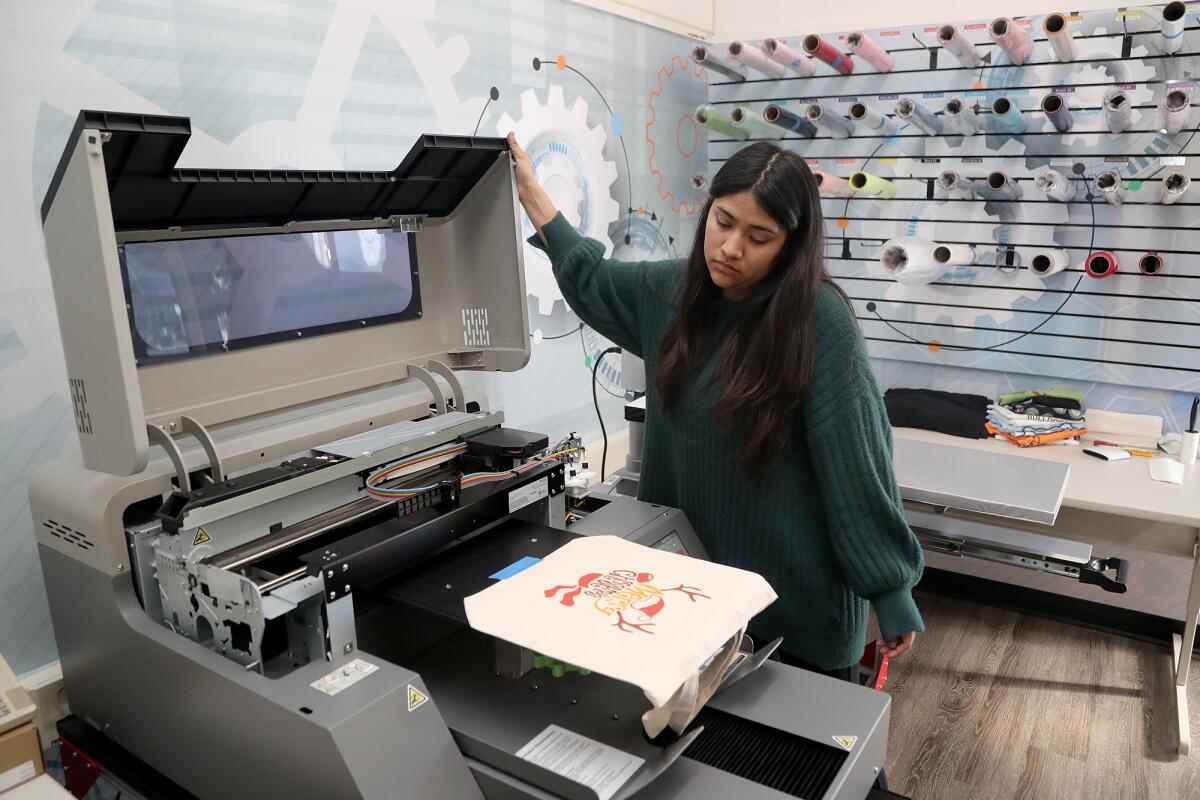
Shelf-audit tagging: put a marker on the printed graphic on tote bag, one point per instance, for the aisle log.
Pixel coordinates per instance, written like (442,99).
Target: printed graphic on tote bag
(623,592)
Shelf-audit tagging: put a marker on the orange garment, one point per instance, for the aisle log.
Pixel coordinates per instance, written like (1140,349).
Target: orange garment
(1034,441)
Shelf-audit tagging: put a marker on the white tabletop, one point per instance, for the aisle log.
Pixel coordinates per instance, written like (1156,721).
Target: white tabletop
(1124,487)
(43,787)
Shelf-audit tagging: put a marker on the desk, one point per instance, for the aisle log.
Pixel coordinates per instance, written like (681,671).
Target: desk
(43,787)
(1116,502)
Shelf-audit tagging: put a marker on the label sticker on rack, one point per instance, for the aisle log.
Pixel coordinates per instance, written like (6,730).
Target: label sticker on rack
(528,495)
(343,678)
(847,742)
(415,698)
(201,537)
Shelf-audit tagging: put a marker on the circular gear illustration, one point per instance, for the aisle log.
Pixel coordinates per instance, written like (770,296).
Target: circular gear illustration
(670,127)
(568,160)
(647,242)
(991,223)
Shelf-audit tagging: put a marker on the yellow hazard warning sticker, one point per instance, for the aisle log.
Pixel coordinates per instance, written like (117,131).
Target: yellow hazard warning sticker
(201,537)
(415,698)
(847,742)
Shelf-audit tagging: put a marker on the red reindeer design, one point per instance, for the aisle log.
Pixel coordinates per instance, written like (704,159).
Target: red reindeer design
(568,599)
(645,609)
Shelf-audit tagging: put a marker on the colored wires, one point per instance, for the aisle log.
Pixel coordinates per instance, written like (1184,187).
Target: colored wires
(408,465)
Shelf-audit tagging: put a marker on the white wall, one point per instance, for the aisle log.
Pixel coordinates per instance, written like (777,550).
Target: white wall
(756,19)
(695,18)
(726,20)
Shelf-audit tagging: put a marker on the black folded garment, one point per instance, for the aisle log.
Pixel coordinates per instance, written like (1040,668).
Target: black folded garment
(944,412)
(1055,402)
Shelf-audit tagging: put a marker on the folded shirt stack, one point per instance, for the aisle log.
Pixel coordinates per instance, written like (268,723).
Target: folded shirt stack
(1032,418)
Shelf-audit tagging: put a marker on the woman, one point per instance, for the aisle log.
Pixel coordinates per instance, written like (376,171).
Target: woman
(764,423)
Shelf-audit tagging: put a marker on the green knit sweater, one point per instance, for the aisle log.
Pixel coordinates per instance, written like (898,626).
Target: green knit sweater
(824,525)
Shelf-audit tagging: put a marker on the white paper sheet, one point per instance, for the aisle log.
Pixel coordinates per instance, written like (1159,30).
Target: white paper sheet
(601,768)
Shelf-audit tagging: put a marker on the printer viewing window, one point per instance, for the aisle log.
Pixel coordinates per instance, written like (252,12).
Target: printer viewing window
(189,297)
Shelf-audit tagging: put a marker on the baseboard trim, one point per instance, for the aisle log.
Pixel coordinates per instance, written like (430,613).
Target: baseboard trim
(1039,603)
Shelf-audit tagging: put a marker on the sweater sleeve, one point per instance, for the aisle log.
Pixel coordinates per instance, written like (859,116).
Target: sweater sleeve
(613,297)
(850,440)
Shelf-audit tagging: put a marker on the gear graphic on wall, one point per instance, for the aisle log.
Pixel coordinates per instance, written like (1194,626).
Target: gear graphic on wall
(926,220)
(568,160)
(304,141)
(675,130)
(647,242)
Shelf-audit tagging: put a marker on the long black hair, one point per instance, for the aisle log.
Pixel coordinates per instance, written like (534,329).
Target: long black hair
(767,362)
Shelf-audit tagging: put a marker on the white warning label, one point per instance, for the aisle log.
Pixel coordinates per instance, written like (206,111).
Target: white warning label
(528,495)
(344,677)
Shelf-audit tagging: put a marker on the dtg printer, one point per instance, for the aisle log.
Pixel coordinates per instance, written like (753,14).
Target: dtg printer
(257,560)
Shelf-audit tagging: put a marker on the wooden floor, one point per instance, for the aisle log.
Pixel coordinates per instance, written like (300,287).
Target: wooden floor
(994,704)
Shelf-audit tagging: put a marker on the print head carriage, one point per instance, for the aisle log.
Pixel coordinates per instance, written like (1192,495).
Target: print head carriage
(628,595)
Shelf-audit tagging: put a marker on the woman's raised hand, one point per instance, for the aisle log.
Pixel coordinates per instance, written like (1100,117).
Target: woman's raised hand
(533,197)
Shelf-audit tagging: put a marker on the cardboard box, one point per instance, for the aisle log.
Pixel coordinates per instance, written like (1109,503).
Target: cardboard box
(20,756)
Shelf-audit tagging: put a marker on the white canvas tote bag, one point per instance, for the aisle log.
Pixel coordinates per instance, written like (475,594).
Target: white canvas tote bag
(633,613)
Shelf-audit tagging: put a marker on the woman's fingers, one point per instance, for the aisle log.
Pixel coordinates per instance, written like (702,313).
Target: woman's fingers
(519,156)
(897,646)
(534,199)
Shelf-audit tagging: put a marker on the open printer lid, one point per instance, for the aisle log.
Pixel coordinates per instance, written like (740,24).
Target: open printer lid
(213,296)
(147,191)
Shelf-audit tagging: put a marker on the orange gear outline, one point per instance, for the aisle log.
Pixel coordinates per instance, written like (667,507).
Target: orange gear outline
(691,205)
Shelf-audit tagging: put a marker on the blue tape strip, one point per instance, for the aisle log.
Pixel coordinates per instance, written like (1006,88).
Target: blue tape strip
(515,567)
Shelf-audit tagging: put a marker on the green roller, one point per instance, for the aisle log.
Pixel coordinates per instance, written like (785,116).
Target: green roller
(873,185)
(707,116)
(557,668)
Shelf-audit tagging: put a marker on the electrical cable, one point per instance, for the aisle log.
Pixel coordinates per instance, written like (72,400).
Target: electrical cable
(583,347)
(375,479)
(561,335)
(596,402)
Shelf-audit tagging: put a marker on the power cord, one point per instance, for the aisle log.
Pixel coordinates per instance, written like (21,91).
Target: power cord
(596,403)
(571,332)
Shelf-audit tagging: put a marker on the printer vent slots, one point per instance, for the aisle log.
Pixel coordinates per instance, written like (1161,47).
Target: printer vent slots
(782,761)
(475,327)
(83,420)
(69,535)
